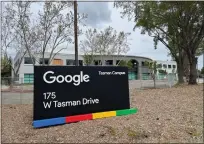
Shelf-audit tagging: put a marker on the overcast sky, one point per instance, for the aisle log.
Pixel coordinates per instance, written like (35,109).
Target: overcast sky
(102,15)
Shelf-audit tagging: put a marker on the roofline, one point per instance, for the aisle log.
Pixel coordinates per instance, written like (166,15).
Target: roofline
(106,55)
(128,56)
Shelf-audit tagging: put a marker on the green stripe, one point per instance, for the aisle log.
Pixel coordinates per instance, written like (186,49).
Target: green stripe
(126,111)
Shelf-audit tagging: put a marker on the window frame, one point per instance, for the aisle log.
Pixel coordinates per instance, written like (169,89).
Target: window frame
(46,60)
(164,66)
(73,62)
(29,59)
(159,65)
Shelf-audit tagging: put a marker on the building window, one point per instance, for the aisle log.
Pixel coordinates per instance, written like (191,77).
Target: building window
(169,66)
(45,61)
(28,60)
(70,62)
(57,62)
(28,78)
(174,66)
(97,62)
(159,66)
(109,62)
(143,63)
(164,66)
(80,62)
(117,62)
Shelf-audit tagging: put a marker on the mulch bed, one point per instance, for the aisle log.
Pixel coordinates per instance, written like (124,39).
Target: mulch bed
(170,115)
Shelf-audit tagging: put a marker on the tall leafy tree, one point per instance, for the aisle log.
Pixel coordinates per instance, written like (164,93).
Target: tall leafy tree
(202,71)
(192,31)
(178,25)
(200,50)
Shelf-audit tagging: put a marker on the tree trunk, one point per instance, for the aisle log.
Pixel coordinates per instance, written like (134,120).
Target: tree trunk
(43,60)
(193,71)
(154,82)
(180,70)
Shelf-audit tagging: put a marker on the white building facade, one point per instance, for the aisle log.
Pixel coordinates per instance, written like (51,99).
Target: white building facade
(26,70)
(168,66)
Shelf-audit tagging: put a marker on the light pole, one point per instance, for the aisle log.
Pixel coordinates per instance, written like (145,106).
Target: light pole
(76,33)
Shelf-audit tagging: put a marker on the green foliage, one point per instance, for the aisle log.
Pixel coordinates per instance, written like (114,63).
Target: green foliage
(122,63)
(88,59)
(202,71)
(128,64)
(177,25)
(162,71)
(151,65)
(6,66)
(200,49)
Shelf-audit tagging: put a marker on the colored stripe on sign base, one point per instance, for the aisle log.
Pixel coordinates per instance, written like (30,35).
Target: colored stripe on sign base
(126,111)
(49,122)
(76,118)
(104,114)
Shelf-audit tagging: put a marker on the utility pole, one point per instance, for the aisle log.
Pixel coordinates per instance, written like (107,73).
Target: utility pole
(76,33)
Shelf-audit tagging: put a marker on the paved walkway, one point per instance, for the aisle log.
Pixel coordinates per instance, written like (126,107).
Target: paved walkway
(16,98)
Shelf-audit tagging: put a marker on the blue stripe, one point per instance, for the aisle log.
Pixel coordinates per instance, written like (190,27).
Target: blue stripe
(49,122)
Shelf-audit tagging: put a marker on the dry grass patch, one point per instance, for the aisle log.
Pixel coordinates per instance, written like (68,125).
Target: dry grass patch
(112,131)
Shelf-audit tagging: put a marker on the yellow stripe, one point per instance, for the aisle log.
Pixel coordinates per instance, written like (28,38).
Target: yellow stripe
(104,114)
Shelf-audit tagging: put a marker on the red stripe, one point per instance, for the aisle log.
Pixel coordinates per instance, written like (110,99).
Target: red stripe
(78,118)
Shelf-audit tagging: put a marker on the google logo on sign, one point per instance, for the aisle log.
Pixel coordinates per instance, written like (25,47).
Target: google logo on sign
(76,79)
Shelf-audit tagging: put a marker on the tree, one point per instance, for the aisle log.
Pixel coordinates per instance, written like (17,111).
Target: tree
(200,49)
(52,28)
(56,23)
(88,60)
(148,16)
(11,41)
(6,69)
(89,46)
(129,64)
(202,71)
(27,33)
(162,71)
(126,64)
(192,31)
(180,23)
(152,65)
(110,42)
(107,42)
(5,66)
